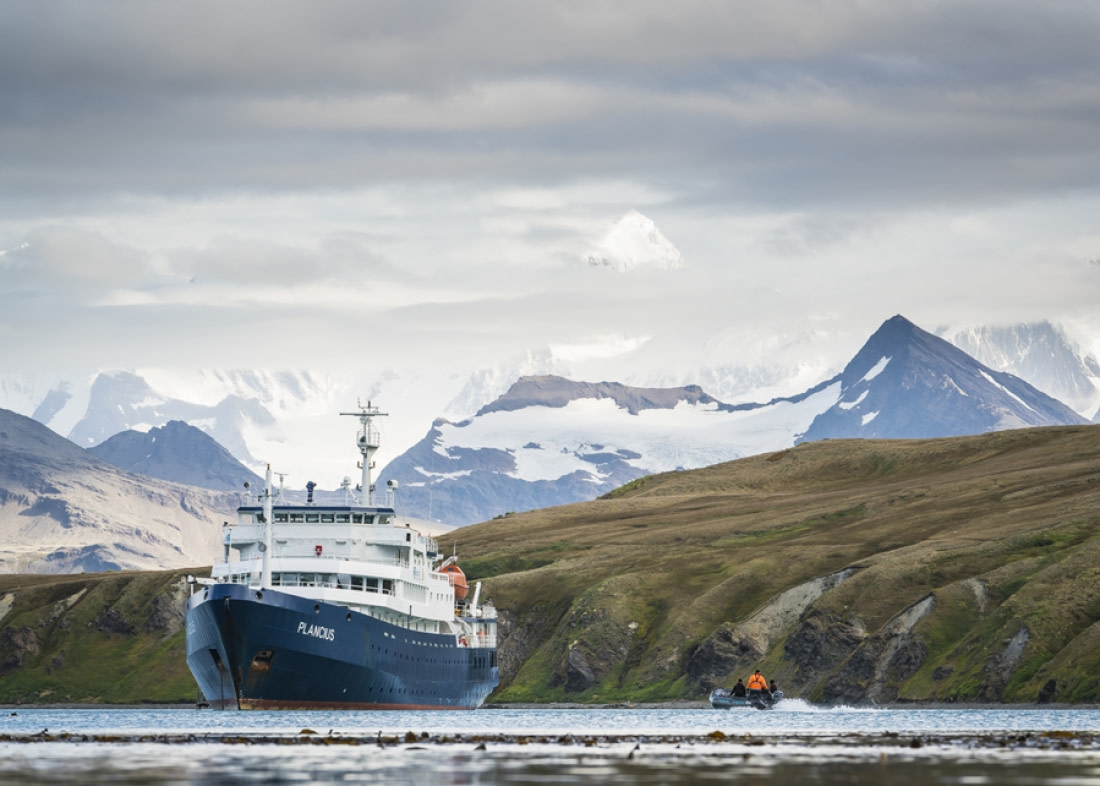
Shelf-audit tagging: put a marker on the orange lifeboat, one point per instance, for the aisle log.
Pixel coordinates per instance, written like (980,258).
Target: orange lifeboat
(457,579)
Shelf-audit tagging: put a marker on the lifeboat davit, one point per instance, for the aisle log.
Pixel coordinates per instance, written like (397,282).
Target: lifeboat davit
(458,580)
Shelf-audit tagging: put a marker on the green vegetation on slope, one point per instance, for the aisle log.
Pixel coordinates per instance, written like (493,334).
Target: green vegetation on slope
(113,638)
(967,563)
(963,569)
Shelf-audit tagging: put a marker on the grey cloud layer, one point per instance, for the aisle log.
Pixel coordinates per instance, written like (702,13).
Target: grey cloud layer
(788,104)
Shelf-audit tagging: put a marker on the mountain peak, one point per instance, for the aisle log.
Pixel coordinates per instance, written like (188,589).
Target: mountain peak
(634,241)
(177,452)
(908,383)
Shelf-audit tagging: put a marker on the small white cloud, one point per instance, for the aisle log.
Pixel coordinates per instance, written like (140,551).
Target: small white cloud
(68,258)
(597,348)
(20,247)
(635,242)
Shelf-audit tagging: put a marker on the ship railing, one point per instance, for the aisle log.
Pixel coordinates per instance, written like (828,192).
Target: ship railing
(343,498)
(279,580)
(397,562)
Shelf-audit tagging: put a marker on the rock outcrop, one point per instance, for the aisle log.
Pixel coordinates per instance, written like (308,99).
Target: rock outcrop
(736,649)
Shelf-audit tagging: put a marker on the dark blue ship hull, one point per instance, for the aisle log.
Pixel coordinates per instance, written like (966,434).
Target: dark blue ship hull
(265,649)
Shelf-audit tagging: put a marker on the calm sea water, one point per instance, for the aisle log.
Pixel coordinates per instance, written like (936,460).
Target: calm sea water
(793,744)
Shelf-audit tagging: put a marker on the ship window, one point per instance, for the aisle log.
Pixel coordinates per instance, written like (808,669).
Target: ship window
(342,518)
(296,517)
(357,518)
(290,580)
(372,585)
(280,517)
(357,582)
(387,586)
(327,518)
(311,518)
(368,519)
(383,519)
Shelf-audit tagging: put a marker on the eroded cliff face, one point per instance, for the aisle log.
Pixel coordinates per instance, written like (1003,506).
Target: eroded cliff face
(737,649)
(519,636)
(881,662)
(600,631)
(827,640)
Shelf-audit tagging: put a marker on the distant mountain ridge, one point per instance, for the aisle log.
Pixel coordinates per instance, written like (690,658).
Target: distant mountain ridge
(122,400)
(179,453)
(1041,353)
(550,441)
(551,391)
(286,417)
(64,510)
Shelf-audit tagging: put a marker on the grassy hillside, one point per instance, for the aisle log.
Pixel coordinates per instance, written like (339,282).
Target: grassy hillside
(112,638)
(956,569)
(964,569)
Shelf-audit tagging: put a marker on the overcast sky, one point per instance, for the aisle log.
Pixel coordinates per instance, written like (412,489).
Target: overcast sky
(283,184)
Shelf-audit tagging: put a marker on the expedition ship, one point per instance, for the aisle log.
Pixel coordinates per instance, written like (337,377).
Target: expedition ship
(337,606)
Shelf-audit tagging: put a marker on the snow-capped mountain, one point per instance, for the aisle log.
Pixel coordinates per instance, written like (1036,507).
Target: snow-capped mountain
(288,419)
(179,453)
(123,401)
(907,383)
(63,510)
(547,440)
(1041,353)
(634,241)
(550,441)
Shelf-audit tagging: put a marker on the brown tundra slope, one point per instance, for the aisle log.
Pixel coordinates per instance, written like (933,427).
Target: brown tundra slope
(852,571)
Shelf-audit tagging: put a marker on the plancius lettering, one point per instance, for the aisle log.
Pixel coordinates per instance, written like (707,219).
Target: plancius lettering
(317,631)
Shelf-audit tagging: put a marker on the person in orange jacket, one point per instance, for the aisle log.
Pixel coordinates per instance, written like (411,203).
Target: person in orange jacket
(757,682)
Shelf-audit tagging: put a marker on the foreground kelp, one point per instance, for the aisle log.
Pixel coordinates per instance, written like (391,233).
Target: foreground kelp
(859,760)
(717,742)
(627,761)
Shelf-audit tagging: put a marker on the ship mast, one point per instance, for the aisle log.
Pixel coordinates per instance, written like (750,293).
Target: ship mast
(265,547)
(368,443)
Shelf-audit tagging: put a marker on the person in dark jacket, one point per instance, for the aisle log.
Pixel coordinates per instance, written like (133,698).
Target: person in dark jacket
(738,689)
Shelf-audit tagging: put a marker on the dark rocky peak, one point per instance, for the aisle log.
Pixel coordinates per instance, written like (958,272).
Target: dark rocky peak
(907,383)
(551,391)
(177,452)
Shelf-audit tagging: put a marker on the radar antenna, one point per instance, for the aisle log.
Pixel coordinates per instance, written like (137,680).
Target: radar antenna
(368,443)
(279,498)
